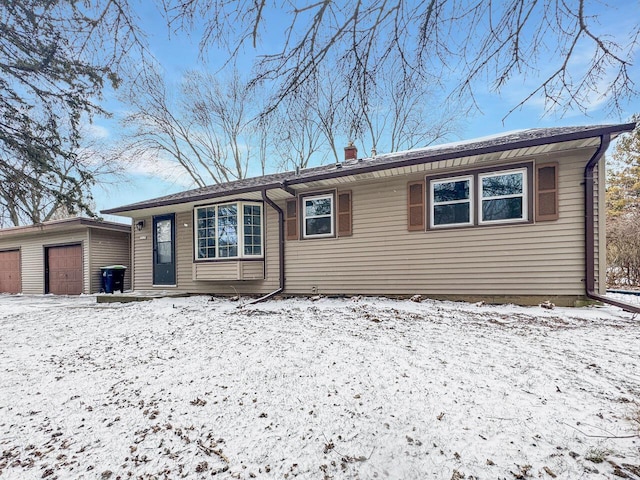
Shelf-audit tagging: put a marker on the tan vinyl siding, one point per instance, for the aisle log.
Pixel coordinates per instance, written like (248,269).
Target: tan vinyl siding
(185,270)
(108,248)
(32,249)
(142,251)
(228,270)
(218,271)
(184,257)
(382,257)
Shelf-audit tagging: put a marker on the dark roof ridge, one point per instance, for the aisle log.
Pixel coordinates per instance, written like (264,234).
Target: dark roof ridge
(494,143)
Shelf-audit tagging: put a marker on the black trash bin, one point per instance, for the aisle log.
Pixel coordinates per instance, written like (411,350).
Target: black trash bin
(113,278)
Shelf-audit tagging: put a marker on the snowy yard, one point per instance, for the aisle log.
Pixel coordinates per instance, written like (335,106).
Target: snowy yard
(362,388)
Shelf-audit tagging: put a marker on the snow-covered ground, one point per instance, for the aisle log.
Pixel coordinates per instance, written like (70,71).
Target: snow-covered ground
(353,388)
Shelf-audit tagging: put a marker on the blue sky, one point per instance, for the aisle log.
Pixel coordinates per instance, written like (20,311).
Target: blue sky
(178,53)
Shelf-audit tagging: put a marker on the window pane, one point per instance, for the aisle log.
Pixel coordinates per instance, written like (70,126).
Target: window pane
(498,185)
(227,230)
(502,209)
(163,231)
(451,191)
(252,229)
(253,250)
(319,206)
(164,252)
(451,214)
(230,210)
(206,232)
(318,226)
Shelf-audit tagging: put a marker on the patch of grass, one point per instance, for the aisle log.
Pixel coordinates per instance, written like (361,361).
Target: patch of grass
(597,455)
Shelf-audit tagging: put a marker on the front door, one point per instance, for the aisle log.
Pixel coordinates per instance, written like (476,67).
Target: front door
(164,254)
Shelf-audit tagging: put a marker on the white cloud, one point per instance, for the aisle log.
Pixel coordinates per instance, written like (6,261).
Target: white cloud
(154,166)
(95,132)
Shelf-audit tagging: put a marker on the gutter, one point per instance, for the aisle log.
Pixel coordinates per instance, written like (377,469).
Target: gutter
(273,205)
(589,229)
(287,179)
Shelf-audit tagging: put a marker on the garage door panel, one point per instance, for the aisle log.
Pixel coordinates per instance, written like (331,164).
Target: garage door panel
(10,278)
(65,269)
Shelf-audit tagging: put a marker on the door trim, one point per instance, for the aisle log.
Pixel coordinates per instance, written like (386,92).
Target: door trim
(154,252)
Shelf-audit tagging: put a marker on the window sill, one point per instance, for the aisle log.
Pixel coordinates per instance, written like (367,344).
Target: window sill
(228,270)
(480,225)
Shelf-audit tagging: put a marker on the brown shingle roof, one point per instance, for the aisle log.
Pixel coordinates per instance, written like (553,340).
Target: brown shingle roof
(63,225)
(495,143)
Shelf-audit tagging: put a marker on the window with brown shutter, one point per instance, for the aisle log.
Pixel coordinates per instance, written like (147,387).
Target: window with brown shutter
(292,219)
(547,192)
(415,206)
(344,214)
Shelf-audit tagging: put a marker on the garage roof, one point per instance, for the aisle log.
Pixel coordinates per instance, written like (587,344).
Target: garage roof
(64,224)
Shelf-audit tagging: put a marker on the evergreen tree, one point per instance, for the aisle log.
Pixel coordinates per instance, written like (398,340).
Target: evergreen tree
(623,212)
(56,57)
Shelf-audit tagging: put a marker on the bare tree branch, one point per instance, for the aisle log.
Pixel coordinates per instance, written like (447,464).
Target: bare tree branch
(463,45)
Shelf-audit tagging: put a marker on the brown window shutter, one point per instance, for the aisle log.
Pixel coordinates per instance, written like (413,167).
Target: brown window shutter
(416,206)
(292,219)
(344,214)
(547,192)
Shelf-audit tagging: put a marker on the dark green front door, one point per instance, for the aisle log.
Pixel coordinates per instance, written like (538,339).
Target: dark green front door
(164,252)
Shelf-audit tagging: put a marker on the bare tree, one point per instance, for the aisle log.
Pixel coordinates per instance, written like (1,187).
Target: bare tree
(222,109)
(299,136)
(397,113)
(330,108)
(557,43)
(206,128)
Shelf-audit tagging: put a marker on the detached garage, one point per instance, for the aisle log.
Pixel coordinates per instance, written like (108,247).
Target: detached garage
(62,257)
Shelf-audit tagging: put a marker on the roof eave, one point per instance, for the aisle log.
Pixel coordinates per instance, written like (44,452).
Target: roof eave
(196,198)
(567,137)
(419,159)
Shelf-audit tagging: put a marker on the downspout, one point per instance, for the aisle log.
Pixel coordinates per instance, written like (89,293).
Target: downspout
(589,229)
(273,205)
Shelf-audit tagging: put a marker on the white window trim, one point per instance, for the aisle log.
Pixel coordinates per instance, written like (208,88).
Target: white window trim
(433,203)
(240,232)
(524,195)
(304,216)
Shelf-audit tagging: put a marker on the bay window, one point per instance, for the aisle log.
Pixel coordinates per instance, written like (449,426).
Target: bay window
(229,230)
